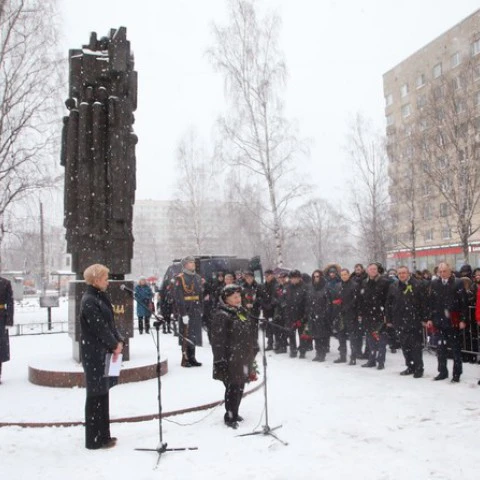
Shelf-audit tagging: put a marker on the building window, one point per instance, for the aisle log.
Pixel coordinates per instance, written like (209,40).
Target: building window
(420,82)
(455,60)
(429,235)
(477,98)
(421,101)
(459,106)
(404,90)
(446,232)
(444,209)
(476,47)
(456,83)
(388,100)
(427,212)
(390,120)
(438,92)
(437,70)
(406,110)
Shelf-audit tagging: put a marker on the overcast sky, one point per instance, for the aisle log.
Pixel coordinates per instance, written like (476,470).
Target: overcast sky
(336,53)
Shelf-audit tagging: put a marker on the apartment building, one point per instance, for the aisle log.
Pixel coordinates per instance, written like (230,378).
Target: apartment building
(432,109)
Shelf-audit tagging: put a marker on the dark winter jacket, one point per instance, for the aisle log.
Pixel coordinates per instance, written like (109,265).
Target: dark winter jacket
(320,310)
(251,296)
(370,303)
(143,296)
(407,305)
(297,304)
(448,303)
(268,298)
(6,317)
(348,292)
(99,336)
(234,344)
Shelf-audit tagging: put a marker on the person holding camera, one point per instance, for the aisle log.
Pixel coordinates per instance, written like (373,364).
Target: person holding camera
(234,346)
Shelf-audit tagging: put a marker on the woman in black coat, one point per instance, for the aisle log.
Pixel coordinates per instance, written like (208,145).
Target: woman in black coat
(99,336)
(234,345)
(320,315)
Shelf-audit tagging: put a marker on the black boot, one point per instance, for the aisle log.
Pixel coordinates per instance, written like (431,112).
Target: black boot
(408,371)
(319,357)
(302,355)
(191,357)
(353,361)
(342,359)
(369,365)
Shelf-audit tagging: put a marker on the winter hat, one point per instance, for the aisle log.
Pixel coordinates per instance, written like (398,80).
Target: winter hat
(229,290)
(186,260)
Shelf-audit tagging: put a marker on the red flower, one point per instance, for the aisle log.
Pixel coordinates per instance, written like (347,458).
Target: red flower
(306,336)
(338,301)
(252,376)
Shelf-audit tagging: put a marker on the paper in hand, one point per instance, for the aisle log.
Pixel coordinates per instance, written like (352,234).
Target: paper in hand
(112,368)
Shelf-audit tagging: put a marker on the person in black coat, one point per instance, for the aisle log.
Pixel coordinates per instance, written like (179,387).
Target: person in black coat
(348,292)
(6,320)
(99,336)
(370,308)
(406,311)
(448,315)
(320,315)
(234,346)
(296,312)
(267,301)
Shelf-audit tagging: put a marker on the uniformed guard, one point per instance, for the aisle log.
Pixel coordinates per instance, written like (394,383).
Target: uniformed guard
(187,295)
(6,319)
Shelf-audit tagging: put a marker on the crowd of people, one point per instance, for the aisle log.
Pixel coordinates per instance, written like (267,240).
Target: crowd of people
(367,310)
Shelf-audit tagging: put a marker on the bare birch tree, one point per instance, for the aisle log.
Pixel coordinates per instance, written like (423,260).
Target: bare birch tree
(323,230)
(256,135)
(448,140)
(369,187)
(29,82)
(192,215)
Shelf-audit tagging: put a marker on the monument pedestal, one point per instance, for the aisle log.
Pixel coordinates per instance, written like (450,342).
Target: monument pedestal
(122,302)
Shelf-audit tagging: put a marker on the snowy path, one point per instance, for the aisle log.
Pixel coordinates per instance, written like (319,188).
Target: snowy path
(339,421)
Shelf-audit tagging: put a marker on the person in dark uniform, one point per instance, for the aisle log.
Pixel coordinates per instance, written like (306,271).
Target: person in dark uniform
(268,300)
(234,346)
(250,293)
(448,316)
(6,320)
(370,309)
(406,310)
(99,336)
(187,294)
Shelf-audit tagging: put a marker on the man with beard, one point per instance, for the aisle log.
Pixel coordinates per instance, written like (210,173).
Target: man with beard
(449,316)
(406,312)
(188,294)
(370,309)
(296,309)
(348,291)
(320,311)
(267,301)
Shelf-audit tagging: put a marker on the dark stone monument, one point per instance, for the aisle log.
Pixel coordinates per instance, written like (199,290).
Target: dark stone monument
(98,153)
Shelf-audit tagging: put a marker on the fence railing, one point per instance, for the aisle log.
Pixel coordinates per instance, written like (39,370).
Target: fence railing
(38,328)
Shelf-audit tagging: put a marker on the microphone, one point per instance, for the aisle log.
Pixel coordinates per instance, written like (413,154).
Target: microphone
(124,287)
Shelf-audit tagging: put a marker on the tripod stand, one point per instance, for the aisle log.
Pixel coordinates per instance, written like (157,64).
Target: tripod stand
(266,429)
(162,446)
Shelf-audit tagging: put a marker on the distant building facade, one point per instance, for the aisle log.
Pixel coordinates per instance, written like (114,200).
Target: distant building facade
(432,109)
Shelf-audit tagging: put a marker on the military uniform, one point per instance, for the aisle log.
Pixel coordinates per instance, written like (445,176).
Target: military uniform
(187,295)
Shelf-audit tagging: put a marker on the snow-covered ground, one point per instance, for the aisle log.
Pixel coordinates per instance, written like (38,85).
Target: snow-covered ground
(340,421)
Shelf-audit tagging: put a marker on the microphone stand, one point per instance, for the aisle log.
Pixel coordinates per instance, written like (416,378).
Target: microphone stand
(162,446)
(266,429)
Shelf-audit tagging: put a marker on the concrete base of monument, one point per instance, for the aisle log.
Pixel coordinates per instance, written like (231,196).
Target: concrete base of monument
(48,374)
